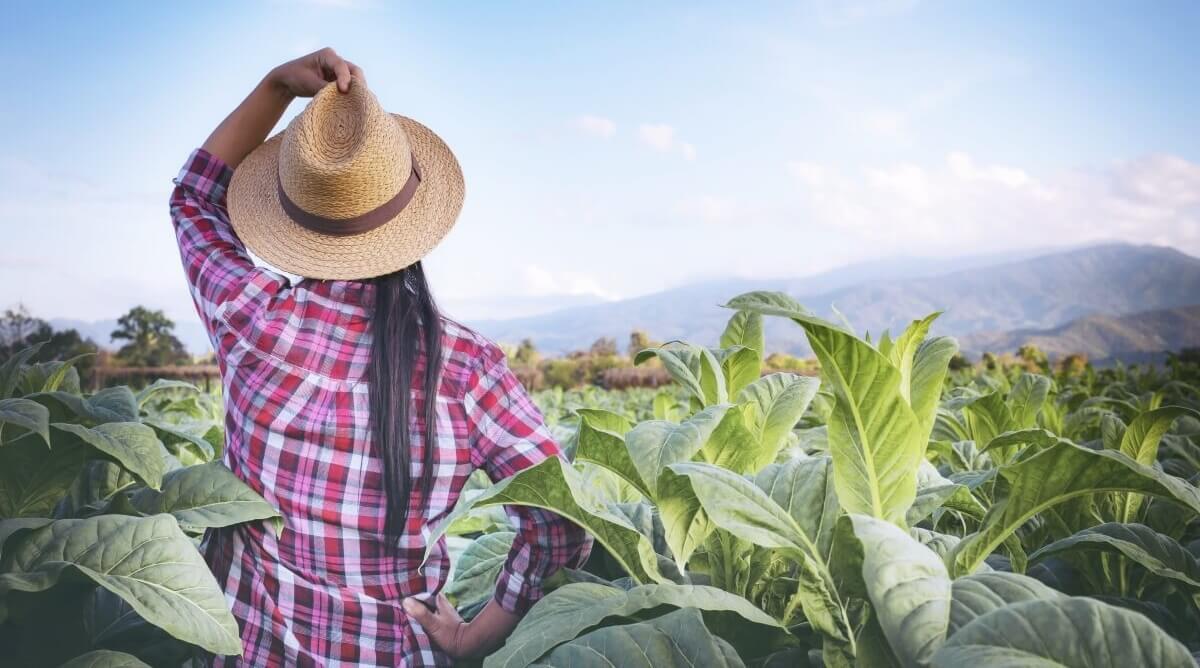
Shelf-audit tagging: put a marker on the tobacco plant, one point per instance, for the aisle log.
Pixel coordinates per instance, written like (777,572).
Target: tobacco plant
(872,517)
(102,499)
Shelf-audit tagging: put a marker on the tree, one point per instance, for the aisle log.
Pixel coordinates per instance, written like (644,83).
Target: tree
(639,340)
(604,346)
(19,329)
(151,338)
(527,354)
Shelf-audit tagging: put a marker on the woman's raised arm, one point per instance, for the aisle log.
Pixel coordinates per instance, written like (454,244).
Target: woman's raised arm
(248,125)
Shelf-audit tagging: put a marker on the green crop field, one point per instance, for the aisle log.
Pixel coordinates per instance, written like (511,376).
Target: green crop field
(889,512)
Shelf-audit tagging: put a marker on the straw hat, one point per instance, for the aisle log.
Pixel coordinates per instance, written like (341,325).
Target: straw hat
(347,191)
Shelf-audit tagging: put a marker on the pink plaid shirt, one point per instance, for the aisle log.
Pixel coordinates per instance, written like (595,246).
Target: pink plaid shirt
(293,363)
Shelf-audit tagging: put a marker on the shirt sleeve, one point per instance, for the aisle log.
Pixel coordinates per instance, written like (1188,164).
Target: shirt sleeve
(218,267)
(508,435)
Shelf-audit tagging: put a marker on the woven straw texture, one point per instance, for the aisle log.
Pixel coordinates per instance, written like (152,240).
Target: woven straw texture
(341,157)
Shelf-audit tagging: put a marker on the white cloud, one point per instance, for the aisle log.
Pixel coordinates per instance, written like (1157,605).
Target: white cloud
(658,136)
(537,281)
(964,203)
(663,138)
(596,125)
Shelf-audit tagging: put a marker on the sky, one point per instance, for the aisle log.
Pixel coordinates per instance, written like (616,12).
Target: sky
(617,149)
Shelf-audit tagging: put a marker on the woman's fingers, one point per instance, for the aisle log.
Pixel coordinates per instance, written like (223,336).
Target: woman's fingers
(357,73)
(442,625)
(334,68)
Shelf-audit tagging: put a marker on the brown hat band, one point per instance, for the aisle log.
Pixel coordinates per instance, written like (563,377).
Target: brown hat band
(344,227)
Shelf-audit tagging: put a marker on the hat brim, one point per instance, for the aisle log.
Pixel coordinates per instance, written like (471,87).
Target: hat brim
(260,222)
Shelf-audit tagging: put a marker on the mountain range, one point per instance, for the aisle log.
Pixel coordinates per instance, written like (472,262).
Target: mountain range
(984,294)
(1076,300)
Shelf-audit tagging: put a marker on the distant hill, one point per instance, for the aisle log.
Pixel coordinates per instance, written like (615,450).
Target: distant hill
(1038,292)
(1134,337)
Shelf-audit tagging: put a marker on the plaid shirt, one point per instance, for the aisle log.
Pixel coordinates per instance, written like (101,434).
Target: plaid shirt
(293,364)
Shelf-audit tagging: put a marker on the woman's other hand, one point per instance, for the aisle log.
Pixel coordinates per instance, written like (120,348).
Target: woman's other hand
(462,640)
(306,75)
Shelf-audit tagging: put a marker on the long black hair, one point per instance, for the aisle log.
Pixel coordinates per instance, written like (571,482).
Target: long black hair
(405,326)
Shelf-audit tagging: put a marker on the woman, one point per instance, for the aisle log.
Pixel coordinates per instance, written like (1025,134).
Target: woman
(351,405)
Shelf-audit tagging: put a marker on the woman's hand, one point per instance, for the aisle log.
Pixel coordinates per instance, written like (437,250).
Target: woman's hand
(306,75)
(248,125)
(459,639)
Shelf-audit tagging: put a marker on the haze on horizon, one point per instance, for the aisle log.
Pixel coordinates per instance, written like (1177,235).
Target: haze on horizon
(619,150)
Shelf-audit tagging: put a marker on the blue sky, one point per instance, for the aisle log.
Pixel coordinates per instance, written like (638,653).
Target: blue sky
(617,149)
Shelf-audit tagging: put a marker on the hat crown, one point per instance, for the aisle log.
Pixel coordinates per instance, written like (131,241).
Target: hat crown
(343,155)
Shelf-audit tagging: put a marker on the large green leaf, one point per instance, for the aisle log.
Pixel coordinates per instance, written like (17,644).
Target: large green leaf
(18,525)
(741,366)
(182,441)
(745,328)
(987,417)
(131,444)
(602,442)
(903,351)
(935,491)
(1157,553)
(777,401)
(739,507)
(33,479)
(654,444)
(104,658)
(928,375)
(685,523)
(676,640)
(476,571)
(10,369)
(112,404)
(556,486)
(731,445)
(980,593)
(804,489)
(163,385)
(1073,632)
(908,587)
(204,496)
(572,609)
(25,414)
(693,367)
(1140,442)
(148,562)
(1025,399)
(1059,473)
(874,436)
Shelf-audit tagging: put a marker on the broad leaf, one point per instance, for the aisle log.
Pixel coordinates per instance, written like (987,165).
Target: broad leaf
(778,401)
(131,444)
(928,375)
(112,404)
(1140,442)
(1059,473)
(693,367)
(1026,398)
(1061,632)
(741,367)
(476,571)
(204,496)
(909,589)
(33,479)
(570,610)
(10,370)
(804,489)
(164,385)
(1159,554)
(980,593)
(602,442)
(148,562)
(25,414)
(739,507)
(874,436)
(556,486)
(678,639)
(745,328)
(654,444)
(935,491)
